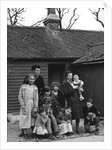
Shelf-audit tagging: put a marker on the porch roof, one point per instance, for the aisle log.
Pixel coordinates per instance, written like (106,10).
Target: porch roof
(96,55)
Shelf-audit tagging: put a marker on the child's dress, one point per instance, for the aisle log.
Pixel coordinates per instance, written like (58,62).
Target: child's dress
(40,123)
(64,123)
(28,97)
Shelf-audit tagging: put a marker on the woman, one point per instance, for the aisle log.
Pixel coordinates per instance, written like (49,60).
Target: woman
(72,97)
(28,98)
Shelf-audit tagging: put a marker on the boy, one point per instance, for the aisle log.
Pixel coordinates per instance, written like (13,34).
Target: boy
(91,116)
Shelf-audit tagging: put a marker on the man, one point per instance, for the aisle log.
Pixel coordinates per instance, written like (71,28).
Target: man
(91,116)
(39,81)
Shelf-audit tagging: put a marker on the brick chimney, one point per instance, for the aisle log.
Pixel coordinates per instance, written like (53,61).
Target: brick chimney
(52,21)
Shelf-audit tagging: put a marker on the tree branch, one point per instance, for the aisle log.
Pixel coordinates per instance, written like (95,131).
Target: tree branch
(35,24)
(73,22)
(71,19)
(96,14)
(15,15)
(64,12)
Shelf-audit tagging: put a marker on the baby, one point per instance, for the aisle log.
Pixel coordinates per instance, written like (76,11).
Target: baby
(79,83)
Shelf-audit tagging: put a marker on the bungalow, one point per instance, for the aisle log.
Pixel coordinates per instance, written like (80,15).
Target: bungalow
(90,69)
(53,48)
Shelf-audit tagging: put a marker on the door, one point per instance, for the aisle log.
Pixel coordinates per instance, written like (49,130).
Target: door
(55,73)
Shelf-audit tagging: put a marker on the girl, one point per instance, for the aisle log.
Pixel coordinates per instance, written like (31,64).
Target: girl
(58,100)
(64,122)
(28,98)
(40,124)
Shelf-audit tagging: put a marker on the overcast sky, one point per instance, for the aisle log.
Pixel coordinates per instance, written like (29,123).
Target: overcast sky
(86,20)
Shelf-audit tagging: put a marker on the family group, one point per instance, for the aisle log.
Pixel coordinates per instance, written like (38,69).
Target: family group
(48,112)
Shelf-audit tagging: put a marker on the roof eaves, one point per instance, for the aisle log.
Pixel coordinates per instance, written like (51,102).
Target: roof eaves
(89,62)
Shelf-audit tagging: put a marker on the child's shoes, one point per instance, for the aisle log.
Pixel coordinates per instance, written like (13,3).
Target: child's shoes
(96,132)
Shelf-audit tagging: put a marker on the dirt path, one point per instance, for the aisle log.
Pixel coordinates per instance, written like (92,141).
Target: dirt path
(13,132)
(85,139)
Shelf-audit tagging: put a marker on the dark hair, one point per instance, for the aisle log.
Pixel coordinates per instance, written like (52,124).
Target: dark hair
(41,110)
(68,107)
(67,72)
(55,83)
(34,67)
(90,100)
(46,89)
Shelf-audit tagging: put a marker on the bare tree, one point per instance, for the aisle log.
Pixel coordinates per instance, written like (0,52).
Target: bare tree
(15,15)
(61,12)
(73,19)
(97,15)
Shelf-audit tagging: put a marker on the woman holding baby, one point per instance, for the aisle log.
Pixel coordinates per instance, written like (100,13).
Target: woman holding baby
(71,94)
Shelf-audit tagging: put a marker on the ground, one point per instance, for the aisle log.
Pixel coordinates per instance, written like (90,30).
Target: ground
(13,132)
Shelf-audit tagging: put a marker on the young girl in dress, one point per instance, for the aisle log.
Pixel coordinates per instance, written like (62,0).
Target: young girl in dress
(64,122)
(40,130)
(28,99)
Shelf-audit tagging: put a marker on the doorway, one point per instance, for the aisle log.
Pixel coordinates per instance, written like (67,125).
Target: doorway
(55,73)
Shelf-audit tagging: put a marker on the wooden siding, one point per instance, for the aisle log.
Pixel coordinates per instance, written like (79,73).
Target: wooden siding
(17,70)
(93,77)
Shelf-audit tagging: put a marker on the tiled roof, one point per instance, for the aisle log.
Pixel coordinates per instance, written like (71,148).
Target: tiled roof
(96,54)
(41,42)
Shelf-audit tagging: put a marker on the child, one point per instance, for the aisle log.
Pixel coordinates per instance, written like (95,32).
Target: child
(46,102)
(28,98)
(40,124)
(58,100)
(91,117)
(79,83)
(64,122)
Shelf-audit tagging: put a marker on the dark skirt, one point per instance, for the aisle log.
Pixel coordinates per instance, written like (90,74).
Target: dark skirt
(75,105)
